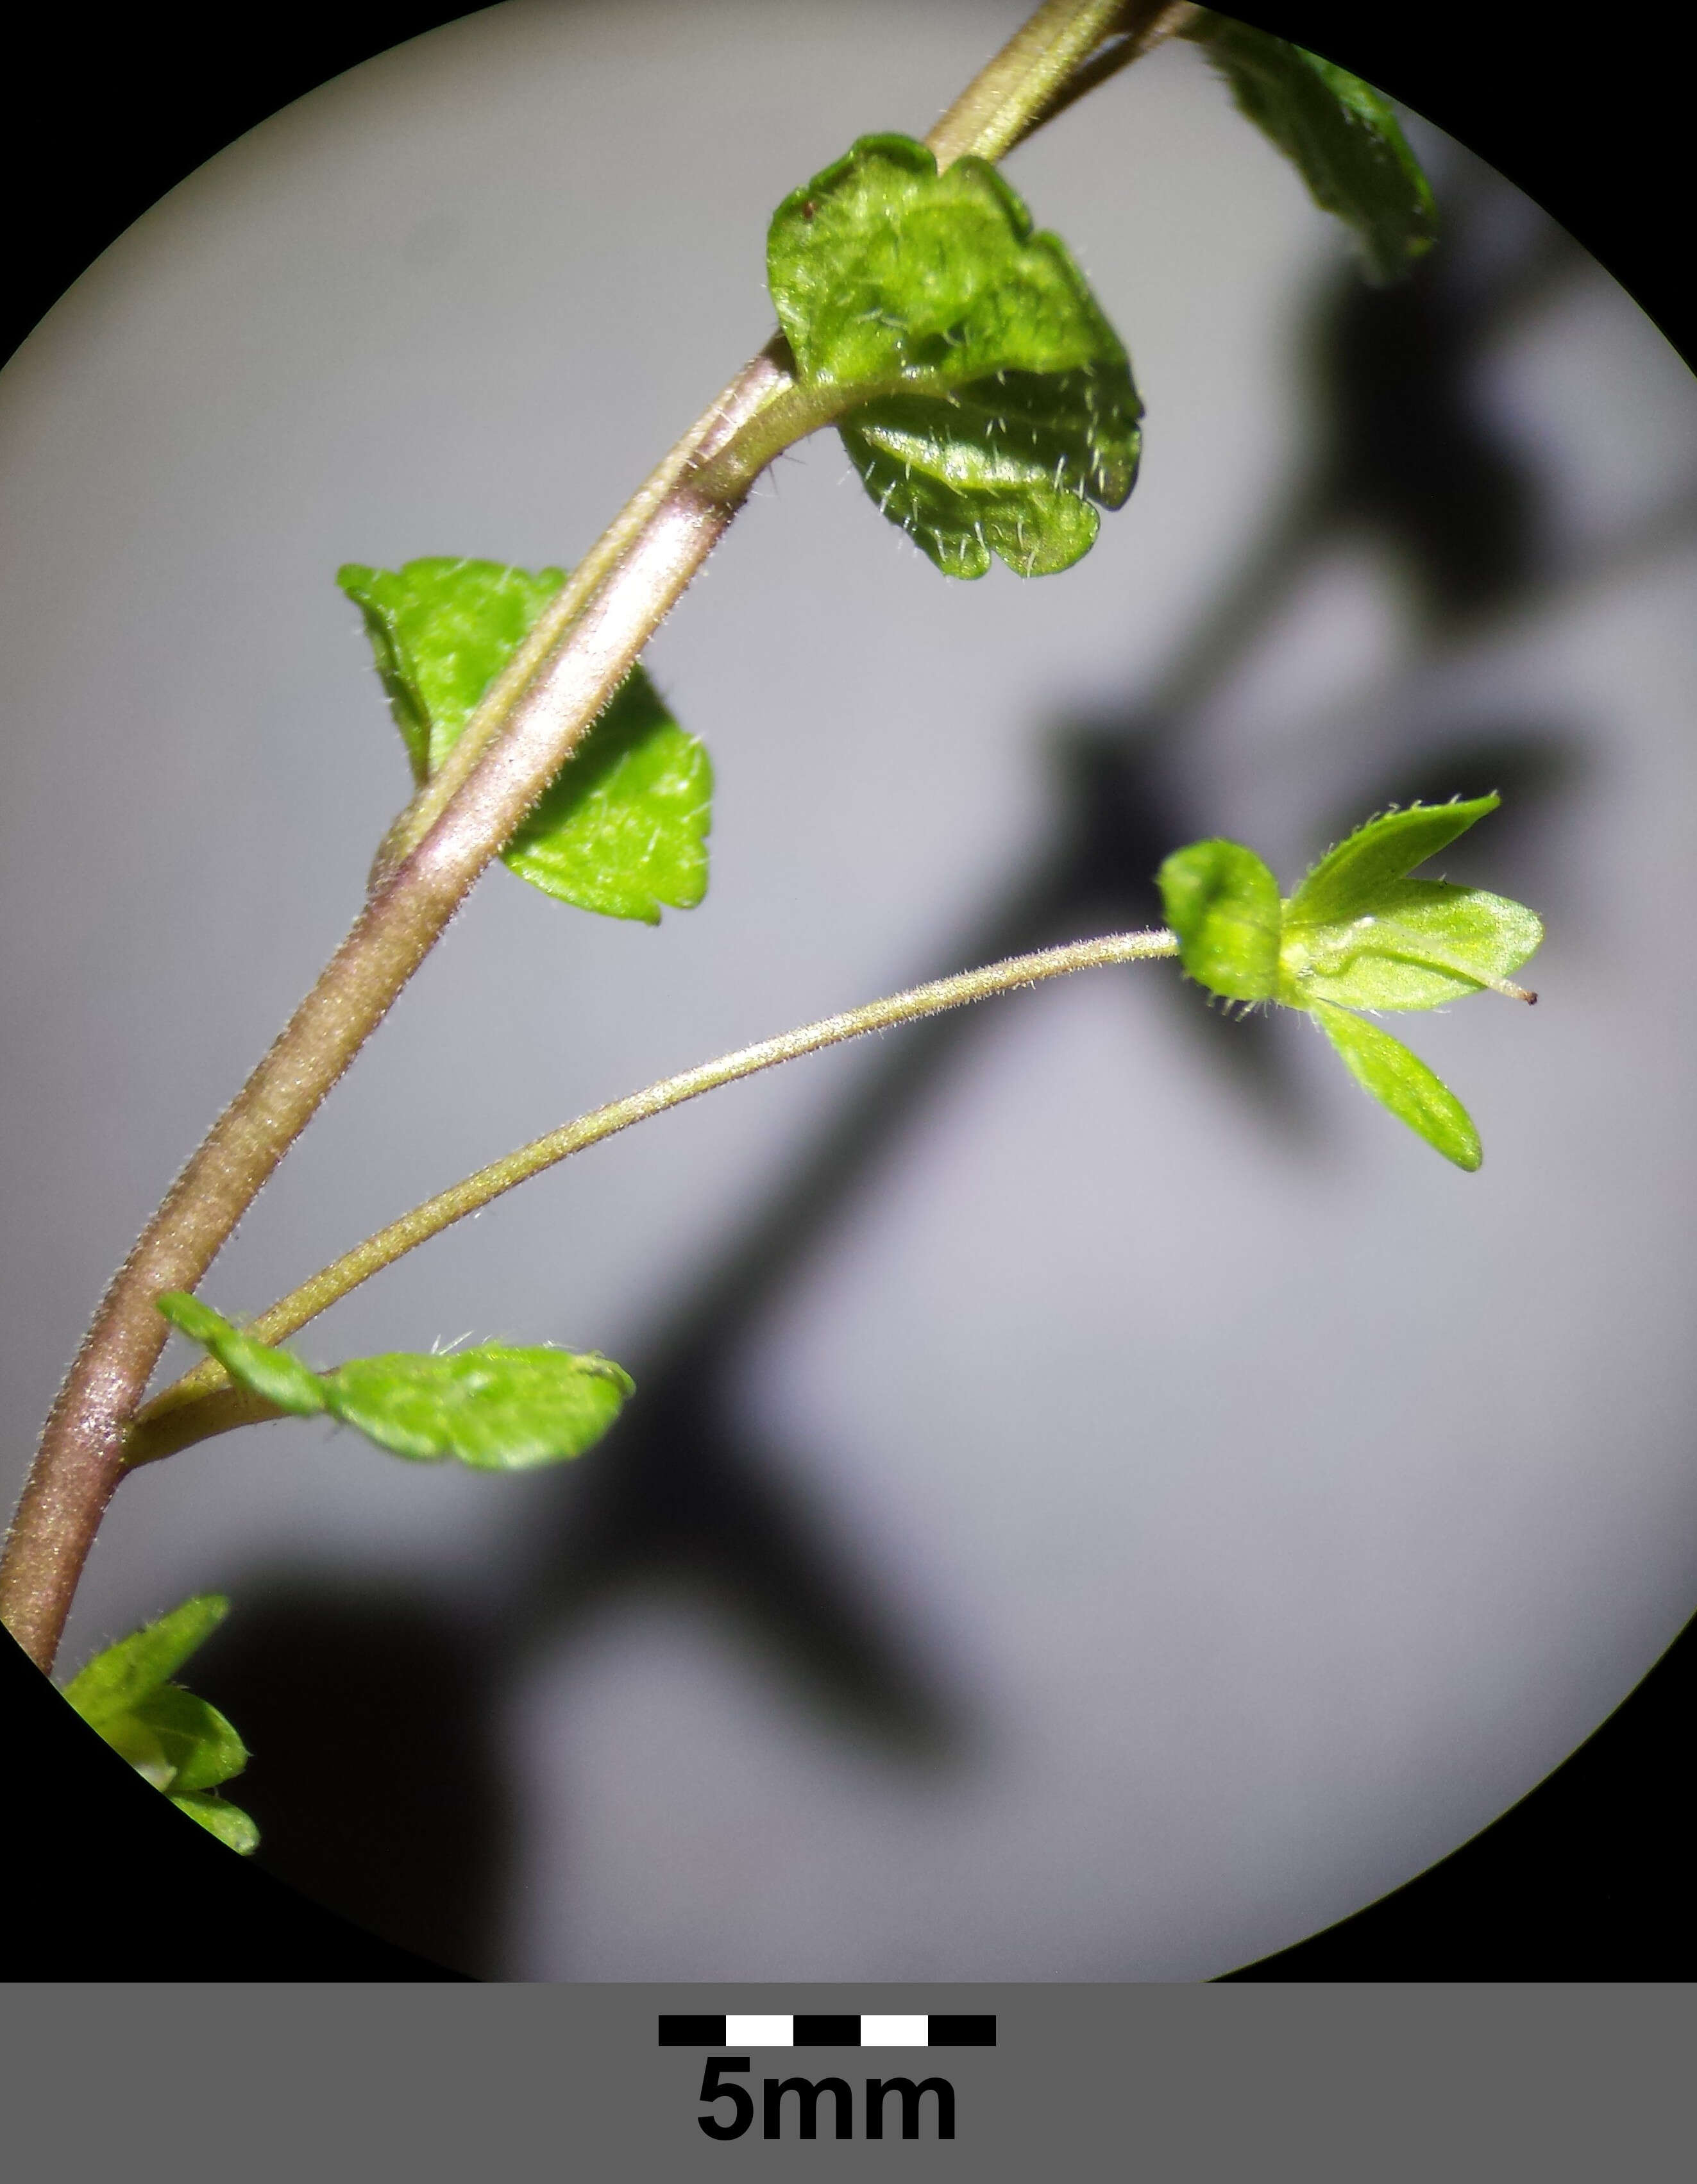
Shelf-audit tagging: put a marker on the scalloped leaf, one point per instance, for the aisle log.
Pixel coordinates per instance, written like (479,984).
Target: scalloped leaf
(441,630)
(1341,135)
(622,829)
(992,406)
(493,1408)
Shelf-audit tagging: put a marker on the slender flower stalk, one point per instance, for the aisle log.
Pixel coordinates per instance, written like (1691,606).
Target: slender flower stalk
(204,1403)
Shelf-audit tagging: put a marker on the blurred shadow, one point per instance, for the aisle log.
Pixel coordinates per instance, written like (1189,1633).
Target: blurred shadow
(371,1716)
(683,1503)
(1409,461)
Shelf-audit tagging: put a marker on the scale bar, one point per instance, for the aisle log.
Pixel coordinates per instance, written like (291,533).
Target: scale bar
(936,2029)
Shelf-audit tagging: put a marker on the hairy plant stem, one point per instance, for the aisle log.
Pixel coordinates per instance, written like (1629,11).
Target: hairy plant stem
(526,729)
(1008,97)
(204,1403)
(1140,28)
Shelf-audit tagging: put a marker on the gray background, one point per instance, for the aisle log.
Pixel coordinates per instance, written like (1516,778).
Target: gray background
(1138,1505)
(1394,2081)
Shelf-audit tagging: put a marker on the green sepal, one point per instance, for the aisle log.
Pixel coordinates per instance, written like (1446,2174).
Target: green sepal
(1423,943)
(178,1741)
(998,410)
(1348,878)
(129,1672)
(1222,904)
(218,1817)
(1401,1081)
(1340,134)
(622,828)
(493,1408)
(1359,932)
(175,1740)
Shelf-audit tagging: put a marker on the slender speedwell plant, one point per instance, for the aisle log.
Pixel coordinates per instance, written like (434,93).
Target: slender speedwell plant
(988,406)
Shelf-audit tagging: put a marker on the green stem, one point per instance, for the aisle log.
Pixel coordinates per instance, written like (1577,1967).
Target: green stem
(202,1402)
(1143,28)
(1007,99)
(82,1456)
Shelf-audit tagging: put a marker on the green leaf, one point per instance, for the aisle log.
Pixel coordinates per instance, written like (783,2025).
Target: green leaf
(1340,134)
(622,829)
(228,1823)
(178,1741)
(441,630)
(1222,903)
(1348,879)
(276,1374)
(130,1672)
(1402,1082)
(991,406)
(1422,943)
(173,1740)
(494,1408)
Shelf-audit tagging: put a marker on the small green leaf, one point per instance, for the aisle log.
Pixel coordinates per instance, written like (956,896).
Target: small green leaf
(494,1408)
(228,1823)
(441,630)
(1422,943)
(132,1671)
(994,409)
(1348,879)
(276,1374)
(622,829)
(1401,1081)
(1341,135)
(173,1740)
(1222,903)
(178,1741)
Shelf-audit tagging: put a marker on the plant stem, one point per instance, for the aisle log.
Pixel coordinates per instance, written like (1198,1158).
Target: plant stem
(81,1458)
(1143,28)
(204,1403)
(521,734)
(1015,92)
(762,380)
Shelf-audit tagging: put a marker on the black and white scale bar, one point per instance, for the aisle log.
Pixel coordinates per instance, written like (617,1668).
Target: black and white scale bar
(866,2030)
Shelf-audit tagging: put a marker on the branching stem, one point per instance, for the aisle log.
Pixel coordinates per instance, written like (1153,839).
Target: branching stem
(524,731)
(204,1403)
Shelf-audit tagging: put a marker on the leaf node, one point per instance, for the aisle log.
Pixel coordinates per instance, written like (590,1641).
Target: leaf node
(622,828)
